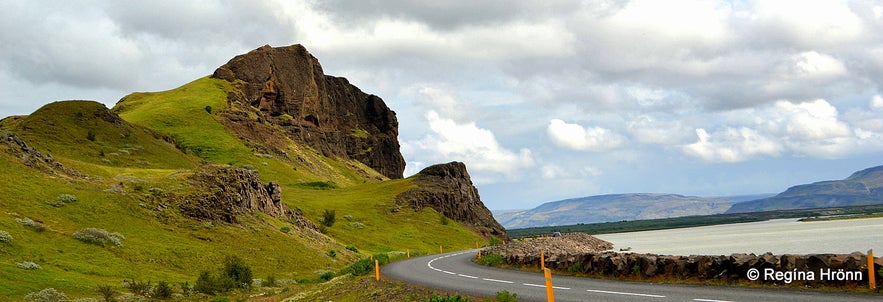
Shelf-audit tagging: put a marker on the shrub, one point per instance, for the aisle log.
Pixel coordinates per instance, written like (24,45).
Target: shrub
(326,276)
(444,220)
(359,268)
(576,268)
(206,284)
(107,292)
(66,198)
(505,296)
(236,269)
(37,226)
(162,291)
(139,288)
(46,295)
(90,136)
(27,265)
(454,298)
(99,237)
(352,248)
(492,259)
(5,237)
(285,229)
(332,253)
(208,109)
(270,281)
(328,217)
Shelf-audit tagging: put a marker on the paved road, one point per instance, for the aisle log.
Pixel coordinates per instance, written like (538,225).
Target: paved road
(455,272)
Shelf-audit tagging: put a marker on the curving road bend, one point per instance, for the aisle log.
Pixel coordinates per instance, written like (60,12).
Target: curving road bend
(455,272)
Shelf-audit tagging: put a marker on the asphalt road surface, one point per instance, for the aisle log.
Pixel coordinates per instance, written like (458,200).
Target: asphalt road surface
(456,273)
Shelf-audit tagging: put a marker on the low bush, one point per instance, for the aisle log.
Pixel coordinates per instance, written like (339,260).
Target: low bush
(139,288)
(332,253)
(285,229)
(505,296)
(99,237)
(36,225)
(27,265)
(107,292)
(352,248)
(5,237)
(359,268)
(234,274)
(326,276)
(46,295)
(491,259)
(328,217)
(162,291)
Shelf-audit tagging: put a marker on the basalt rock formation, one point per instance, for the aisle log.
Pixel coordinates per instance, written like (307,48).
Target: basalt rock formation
(225,192)
(287,87)
(448,189)
(35,159)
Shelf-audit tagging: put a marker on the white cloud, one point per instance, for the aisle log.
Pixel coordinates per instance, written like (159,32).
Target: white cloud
(732,145)
(877,102)
(576,137)
(466,142)
(554,171)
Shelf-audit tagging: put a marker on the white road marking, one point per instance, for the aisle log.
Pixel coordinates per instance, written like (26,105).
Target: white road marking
(467,276)
(710,300)
(495,280)
(537,285)
(626,294)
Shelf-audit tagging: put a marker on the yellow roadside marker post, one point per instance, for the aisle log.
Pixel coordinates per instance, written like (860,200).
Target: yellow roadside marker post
(440,249)
(872,278)
(479,255)
(409,253)
(542,260)
(550,292)
(376,270)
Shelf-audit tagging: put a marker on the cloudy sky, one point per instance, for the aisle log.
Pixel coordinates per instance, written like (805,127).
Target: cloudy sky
(542,100)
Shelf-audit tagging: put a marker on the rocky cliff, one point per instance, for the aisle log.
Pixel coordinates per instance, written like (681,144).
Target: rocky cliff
(286,87)
(225,192)
(448,189)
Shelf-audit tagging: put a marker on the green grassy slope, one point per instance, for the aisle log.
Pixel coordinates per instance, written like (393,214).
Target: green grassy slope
(159,243)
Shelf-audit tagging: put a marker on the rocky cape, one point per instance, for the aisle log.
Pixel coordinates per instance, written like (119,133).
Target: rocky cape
(864,187)
(288,89)
(448,189)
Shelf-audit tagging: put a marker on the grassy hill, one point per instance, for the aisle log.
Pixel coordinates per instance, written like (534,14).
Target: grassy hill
(145,148)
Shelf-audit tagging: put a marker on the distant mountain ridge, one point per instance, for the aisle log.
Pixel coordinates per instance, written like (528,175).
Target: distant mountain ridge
(614,207)
(860,188)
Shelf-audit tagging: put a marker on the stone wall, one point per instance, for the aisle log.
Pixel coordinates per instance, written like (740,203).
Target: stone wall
(826,269)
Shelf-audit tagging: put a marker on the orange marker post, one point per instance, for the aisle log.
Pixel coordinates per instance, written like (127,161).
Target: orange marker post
(479,255)
(376,270)
(542,260)
(550,292)
(872,275)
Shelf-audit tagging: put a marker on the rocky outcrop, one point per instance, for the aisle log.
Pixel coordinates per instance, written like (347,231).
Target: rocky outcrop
(286,87)
(733,268)
(30,157)
(448,189)
(226,192)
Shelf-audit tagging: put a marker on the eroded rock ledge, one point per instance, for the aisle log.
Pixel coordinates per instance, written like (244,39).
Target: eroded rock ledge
(223,193)
(448,189)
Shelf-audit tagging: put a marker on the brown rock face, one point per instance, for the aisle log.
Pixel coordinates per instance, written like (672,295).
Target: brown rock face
(288,88)
(447,188)
(227,192)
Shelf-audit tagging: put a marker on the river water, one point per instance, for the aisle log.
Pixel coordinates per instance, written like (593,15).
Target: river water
(780,236)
